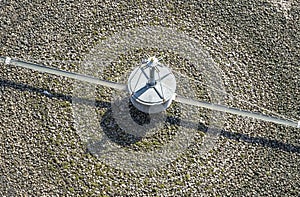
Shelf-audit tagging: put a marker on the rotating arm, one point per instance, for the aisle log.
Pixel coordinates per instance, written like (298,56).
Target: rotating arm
(240,112)
(68,74)
(118,86)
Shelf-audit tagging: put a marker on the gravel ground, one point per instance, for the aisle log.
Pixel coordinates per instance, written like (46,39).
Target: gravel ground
(255,43)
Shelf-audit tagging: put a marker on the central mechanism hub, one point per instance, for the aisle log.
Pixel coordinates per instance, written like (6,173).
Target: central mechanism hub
(152,87)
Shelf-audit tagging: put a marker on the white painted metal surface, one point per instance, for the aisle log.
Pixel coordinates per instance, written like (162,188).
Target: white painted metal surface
(152,87)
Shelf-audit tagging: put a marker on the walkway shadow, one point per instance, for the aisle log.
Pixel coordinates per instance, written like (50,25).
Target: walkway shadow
(51,94)
(117,136)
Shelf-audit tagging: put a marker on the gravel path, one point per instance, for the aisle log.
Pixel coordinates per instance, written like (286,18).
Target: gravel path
(254,43)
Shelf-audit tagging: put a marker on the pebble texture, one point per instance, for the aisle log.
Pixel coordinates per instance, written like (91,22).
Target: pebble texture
(254,42)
